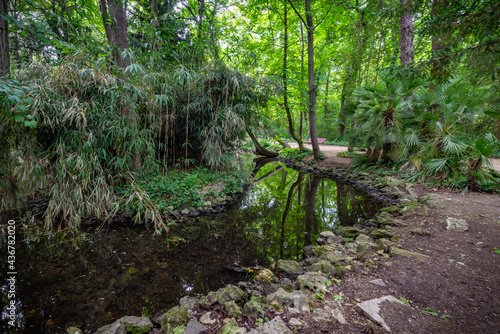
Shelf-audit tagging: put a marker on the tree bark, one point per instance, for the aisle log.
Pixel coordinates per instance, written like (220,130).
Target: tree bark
(439,68)
(406,30)
(310,78)
(285,81)
(115,24)
(4,40)
(259,149)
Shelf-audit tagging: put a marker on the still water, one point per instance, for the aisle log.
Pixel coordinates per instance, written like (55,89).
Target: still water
(125,270)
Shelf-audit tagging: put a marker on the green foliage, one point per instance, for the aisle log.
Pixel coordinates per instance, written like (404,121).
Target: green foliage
(295,154)
(436,134)
(430,311)
(180,189)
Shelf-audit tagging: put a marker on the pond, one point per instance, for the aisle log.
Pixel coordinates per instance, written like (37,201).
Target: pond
(125,270)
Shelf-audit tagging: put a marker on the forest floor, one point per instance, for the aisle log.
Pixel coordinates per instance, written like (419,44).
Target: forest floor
(458,279)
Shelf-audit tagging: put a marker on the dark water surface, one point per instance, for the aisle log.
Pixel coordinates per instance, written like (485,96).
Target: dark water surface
(123,270)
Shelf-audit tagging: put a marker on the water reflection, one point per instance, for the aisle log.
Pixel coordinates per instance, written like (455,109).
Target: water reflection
(123,270)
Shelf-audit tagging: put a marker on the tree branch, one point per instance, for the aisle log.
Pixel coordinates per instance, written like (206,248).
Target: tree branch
(298,14)
(328,12)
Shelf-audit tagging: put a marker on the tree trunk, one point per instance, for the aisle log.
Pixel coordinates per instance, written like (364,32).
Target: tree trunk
(115,24)
(285,212)
(406,55)
(310,79)
(285,82)
(439,68)
(325,102)
(4,40)
(259,149)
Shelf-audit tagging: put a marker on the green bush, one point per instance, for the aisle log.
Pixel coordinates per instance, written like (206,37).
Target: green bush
(295,154)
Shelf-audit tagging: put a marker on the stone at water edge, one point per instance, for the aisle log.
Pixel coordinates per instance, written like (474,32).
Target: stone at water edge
(231,293)
(266,276)
(177,316)
(454,224)
(127,324)
(189,302)
(232,310)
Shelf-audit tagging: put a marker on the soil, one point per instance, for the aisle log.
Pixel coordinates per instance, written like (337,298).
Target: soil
(460,280)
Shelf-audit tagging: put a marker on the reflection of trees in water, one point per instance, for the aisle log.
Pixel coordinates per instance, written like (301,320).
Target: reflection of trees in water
(287,210)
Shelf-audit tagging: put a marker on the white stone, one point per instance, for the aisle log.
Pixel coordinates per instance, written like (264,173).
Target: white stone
(371,309)
(454,224)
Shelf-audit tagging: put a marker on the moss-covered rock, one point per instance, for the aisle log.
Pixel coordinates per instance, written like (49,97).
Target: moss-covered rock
(323,266)
(176,317)
(232,328)
(208,300)
(74,330)
(382,233)
(388,219)
(232,309)
(231,293)
(266,276)
(391,209)
(348,231)
(128,324)
(314,281)
(290,268)
(332,257)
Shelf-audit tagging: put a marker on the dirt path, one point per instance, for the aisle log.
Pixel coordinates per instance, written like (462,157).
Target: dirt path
(330,152)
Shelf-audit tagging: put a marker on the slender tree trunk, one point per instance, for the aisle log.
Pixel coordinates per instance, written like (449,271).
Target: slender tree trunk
(325,102)
(302,71)
(382,40)
(406,30)
(311,190)
(439,68)
(285,81)
(4,40)
(310,79)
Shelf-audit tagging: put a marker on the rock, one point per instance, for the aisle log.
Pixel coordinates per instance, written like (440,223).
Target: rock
(341,270)
(332,257)
(179,330)
(233,310)
(252,309)
(408,253)
(454,224)
(403,318)
(74,330)
(382,233)
(308,250)
(266,276)
(136,325)
(296,298)
(206,319)
(189,302)
(378,282)
(310,261)
(328,237)
(312,281)
(295,322)
(371,309)
(348,231)
(388,181)
(337,314)
(184,212)
(420,231)
(194,213)
(363,238)
(358,267)
(207,204)
(208,300)
(275,326)
(177,316)
(387,219)
(384,244)
(391,209)
(429,199)
(290,268)
(232,328)
(194,327)
(322,266)
(365,247)
(231,293)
